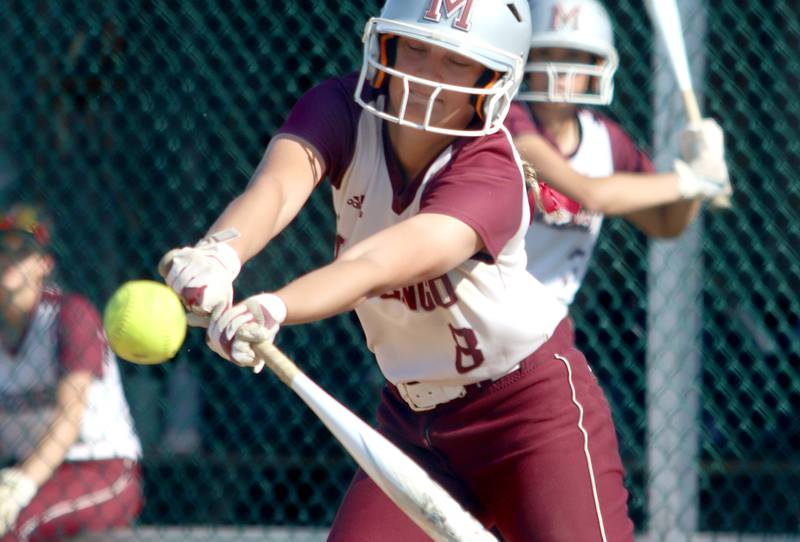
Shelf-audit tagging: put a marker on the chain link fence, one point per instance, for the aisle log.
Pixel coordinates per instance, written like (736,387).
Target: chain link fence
(135,122)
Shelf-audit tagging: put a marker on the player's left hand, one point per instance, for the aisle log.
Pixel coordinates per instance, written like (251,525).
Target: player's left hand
(16,492)
(203,275)
(233,332)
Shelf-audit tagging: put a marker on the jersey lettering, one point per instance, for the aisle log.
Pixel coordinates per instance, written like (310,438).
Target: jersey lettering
(464,19)
(466,349)
(426,296)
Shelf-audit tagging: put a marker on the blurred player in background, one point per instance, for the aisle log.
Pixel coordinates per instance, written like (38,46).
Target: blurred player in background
(484,388)
(588,165)
(64,422)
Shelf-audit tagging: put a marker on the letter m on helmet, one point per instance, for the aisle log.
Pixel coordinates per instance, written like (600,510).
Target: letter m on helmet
(563,19)
(451,7)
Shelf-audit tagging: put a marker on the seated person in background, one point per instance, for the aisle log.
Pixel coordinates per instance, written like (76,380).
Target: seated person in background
(65,426)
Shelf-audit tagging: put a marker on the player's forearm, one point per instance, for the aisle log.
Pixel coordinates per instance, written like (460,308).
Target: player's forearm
(419,248)
(623,193)
(678,215)
(330,290)
(620,193)
(282,183)
(665,221)
(53,447)
(71,398)
(257,216)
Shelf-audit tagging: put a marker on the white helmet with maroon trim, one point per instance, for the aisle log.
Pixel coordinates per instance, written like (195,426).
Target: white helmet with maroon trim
(582,25)
(494,33)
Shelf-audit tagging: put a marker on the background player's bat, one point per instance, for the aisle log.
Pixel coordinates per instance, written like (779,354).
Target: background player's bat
(666,19)
(405,482)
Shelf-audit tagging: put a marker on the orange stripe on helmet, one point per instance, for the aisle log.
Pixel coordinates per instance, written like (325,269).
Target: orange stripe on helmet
(482,97)
(383,58)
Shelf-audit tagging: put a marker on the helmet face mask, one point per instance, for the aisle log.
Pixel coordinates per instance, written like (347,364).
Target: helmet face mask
(476,29)
(598,91)
(575,25)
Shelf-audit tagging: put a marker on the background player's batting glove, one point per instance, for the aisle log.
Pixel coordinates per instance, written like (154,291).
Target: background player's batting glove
(702,172)
(701,139)
(706,177)
(16,492)
(233,332)
(203,275)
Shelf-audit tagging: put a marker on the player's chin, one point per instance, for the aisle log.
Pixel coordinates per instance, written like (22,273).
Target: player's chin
(452,120)
(558,106)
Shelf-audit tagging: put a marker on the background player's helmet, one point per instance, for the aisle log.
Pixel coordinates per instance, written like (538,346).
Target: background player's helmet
(24,228)
(582,25)
(495,33)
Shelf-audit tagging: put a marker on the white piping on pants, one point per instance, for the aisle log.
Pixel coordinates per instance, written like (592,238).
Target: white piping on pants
(586,452)
(84,501)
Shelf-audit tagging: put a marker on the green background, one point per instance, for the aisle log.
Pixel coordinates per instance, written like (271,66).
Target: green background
(135,123)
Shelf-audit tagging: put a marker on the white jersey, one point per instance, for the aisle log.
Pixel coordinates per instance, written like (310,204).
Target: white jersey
(560,250)
(63,335)
(472,323)
(559,254)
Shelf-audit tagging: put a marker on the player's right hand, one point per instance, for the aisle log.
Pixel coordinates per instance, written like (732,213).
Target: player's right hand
(203,275)
(233,331)
(703,179)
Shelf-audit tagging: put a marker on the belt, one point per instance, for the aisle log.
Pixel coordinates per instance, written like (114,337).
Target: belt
(422,396)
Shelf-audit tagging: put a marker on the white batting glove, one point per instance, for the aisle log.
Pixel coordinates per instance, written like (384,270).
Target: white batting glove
(16,492)
(233,332)
(705,138)
(703,178)
(203,275)
(703,172)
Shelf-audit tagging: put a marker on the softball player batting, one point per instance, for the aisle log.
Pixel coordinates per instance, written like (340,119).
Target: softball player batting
(587,158)
(483,385)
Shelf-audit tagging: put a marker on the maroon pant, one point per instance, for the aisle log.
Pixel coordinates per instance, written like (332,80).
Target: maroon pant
(80,497)
(533,455)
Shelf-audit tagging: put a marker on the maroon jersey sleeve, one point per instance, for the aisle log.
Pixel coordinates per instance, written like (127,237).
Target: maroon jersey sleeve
(326,116)
(626,155)
(482,187)
(519,120)
(81,342)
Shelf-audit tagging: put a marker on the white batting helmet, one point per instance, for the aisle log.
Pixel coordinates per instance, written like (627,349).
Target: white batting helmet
(582,25)
(494,33)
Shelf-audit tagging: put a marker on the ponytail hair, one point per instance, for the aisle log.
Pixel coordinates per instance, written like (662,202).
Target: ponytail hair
(532,184)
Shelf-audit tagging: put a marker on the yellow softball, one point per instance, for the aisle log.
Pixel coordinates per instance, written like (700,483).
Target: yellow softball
(145,322)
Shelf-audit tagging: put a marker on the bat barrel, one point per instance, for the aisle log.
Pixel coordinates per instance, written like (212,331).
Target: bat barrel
(403,481)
